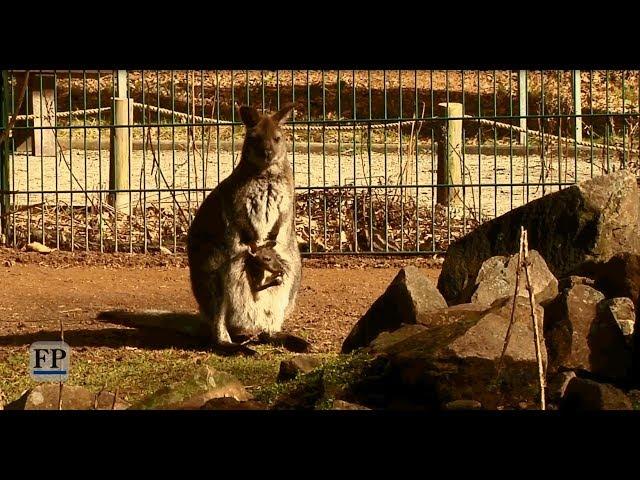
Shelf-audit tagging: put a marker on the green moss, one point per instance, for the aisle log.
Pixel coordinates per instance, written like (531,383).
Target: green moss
(138,373)
(338,373)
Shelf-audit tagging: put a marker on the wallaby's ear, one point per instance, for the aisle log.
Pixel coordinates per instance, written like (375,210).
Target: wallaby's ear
(282,115)
(249,115)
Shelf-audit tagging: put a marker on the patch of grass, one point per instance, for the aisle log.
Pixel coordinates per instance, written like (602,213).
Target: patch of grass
(138,373)
(338,372)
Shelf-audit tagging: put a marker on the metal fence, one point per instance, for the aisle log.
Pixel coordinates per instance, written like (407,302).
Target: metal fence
(384,161)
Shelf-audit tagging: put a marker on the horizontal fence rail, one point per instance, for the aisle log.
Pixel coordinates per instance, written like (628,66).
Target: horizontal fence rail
(384,162)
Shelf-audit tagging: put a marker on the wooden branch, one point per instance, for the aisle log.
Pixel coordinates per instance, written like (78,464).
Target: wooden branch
(534,317)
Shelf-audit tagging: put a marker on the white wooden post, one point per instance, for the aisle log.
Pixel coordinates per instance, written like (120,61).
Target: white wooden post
(577,104)
(522,95)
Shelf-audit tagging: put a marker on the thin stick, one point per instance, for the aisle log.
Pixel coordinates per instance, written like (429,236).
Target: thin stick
(61,384)
(23,208)
(95,400)
(534,317)
(513,305)
(156,164)
(115,398)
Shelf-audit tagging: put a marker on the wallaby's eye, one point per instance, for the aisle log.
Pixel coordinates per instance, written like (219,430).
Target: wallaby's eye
(276,138)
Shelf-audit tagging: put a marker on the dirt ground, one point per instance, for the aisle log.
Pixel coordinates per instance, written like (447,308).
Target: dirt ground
(41,291)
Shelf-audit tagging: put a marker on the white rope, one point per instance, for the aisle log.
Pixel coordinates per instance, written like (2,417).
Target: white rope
(75,113)
(553,137)
(199,119)
(350,125)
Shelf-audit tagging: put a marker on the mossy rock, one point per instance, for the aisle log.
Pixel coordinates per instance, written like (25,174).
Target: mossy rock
(204,384)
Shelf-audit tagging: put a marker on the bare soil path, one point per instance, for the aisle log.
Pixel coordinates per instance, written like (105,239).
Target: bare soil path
(37,291)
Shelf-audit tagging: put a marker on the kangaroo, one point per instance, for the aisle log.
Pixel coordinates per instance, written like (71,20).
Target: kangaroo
(265,260)
(253,206)
(244,228)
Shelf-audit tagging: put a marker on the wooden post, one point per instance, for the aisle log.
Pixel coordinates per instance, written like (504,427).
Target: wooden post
(120,150)
(121,84)
(43,106)
(522,95)
(4,156)
(39,102)
(450,155)
(577,104)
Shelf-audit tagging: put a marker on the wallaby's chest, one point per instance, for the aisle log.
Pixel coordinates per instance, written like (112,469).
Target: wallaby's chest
(263,202)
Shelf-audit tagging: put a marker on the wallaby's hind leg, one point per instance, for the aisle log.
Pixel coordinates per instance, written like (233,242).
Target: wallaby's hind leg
(230,348)
(213,308)
(291,342)
(222,343)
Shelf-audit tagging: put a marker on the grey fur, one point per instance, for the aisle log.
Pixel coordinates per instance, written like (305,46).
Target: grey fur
(253,205)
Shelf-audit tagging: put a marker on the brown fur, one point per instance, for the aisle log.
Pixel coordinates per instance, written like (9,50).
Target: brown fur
(254,205)
(265,268)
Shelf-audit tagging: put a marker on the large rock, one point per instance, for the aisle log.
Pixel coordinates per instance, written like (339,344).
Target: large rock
(304,397)
(581,336)
(291,368)
(463,405)
(446,362)
(386,341)
(47,396)
(449,315)
(342,405)
(195,391)
(612,350)
(497,279)
(409,295)
(619,277)
(588,222)
(394,341)
(634,396)
(229,403)
(108,401)
(583,394)
(557,385)
(573,280)
(621,311)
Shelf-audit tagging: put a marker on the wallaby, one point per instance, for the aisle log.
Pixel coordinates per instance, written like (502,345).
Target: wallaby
(243,229)
(254,205)
(265,268)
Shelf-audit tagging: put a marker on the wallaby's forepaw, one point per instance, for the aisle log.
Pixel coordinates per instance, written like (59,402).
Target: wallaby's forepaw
(291,342)
(274,282)
(229,348)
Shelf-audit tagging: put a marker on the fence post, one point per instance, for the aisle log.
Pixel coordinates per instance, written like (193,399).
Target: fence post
(450,147)
(120,148)
(523,111)
(4,157)
(43,107)
(577,104)
(121,84)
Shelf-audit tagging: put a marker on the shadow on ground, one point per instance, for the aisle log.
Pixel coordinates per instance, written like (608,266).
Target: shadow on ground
(149,339)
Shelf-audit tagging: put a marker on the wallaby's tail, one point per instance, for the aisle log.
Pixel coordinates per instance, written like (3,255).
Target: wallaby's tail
(181,322)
